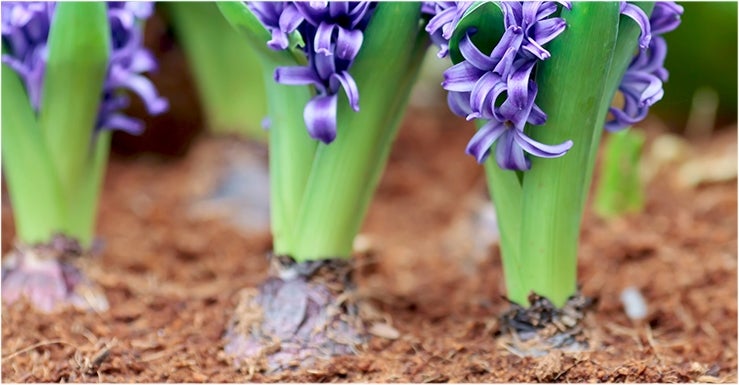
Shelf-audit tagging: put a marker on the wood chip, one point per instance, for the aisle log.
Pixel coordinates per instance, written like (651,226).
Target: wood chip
(384,330)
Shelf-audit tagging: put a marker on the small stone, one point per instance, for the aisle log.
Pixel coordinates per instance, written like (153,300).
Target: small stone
(634,303)
(384,330)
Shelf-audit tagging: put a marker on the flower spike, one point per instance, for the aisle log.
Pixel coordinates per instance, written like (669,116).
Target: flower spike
(25,28)
(333,35)
(641,85)
(498,86)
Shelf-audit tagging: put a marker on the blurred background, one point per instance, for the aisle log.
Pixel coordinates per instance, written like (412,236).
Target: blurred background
(700,96)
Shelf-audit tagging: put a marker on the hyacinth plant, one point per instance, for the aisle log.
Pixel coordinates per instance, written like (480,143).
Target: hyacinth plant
(226,71)
(64,69)
(539,78)
(338,76)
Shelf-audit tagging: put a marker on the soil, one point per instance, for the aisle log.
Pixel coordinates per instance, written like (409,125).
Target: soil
(173,281)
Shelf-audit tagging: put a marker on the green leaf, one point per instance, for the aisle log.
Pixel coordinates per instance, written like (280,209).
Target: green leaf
(291,152)
(484,16)
(626,46)
(219,57)
(620,189)
(84,203)
(345,173)
(32,182)
(572,89)
(79,47)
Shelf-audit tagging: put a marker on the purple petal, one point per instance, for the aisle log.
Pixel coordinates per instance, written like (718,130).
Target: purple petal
(512,38)
(143,61)
(358,13)
(665,17)
(290,19)
(459,103)
(322,41)
(539,149)
(548,29)
(518,84)
(485,93)
(297,76)
(320,118)
(461,77)
(509,155)
(348,43)
(537,116)
(636,14)
(349,86)
(325,65)
(441,18)
(123,123)
(474,56)
(479,145)
(279,40)
(338,8)
(146,91)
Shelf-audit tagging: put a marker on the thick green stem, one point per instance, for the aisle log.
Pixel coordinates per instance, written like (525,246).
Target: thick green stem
(572,88)
(346,172)
(225,67)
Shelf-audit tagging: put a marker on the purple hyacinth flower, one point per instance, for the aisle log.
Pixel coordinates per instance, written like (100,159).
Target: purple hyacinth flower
(533,18)
(279,17)
(444,17)
(25,32)
(498,87)
(641,85)
(333,35)
(507,129)
(25,28)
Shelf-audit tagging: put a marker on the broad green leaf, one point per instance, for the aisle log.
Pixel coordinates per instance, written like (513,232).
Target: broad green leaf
(219,57)
(572,88)
(620,190)
(345,173)
(79,47)
(32,183)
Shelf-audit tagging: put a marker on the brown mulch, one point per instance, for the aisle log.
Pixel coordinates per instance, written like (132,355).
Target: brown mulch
(173,283)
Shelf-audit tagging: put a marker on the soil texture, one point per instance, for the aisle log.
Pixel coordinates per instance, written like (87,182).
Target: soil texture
(173,279)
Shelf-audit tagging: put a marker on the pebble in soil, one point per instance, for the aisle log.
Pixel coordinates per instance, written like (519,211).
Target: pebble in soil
(302,313)
(50,277)
(542,327)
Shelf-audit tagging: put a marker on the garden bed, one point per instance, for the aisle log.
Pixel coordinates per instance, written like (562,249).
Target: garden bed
(173,281)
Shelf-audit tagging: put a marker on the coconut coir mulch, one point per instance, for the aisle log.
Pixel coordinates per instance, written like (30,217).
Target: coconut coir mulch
(173,282)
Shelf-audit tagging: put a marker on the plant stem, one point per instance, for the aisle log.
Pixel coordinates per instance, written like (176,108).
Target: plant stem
(572,86)
(346,172)
(225,68)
